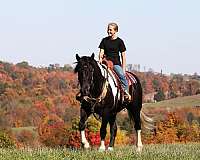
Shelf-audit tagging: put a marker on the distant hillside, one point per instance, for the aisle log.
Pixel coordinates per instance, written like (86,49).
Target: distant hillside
(187,101)
(29,94)
(41,102)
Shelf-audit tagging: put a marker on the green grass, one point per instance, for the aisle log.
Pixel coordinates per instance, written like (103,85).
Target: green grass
(150,152)
(187,101)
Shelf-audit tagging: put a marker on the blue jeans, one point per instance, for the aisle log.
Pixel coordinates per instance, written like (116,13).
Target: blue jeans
(118,69)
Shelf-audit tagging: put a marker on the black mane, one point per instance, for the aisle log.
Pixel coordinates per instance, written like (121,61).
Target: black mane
(90,61)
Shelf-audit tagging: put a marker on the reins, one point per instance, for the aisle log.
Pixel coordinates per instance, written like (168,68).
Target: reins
(101,96)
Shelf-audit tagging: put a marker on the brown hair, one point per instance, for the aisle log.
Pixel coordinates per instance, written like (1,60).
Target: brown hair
(114,25)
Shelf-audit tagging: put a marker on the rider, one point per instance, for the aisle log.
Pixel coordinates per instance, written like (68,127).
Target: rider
(110,47)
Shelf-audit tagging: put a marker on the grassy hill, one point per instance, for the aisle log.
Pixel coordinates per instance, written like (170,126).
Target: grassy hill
(187,101)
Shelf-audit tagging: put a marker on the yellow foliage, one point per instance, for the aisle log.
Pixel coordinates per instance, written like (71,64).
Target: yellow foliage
(121,138)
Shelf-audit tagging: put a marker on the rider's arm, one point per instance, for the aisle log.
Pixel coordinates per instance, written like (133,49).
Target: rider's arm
(123,54)
(101,53)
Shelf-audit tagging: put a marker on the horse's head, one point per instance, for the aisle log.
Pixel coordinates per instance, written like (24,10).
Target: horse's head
(85,70)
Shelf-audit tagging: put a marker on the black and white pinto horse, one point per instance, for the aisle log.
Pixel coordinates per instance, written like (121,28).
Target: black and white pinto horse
(98,94)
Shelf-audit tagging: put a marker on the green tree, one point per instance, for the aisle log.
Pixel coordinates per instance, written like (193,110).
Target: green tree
(3,87)
(156,84)
(159,96)
(67,67)
(23,64)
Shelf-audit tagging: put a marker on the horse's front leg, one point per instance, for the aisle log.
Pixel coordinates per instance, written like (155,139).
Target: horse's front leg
(113,132)
(83,118)
(103,133)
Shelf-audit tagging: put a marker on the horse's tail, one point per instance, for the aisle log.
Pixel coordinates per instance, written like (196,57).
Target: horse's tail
(146,121)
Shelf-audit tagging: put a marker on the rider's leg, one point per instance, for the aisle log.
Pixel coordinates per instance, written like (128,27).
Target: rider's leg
(118,69)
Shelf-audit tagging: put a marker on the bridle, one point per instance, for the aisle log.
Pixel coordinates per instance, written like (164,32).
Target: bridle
(99,98)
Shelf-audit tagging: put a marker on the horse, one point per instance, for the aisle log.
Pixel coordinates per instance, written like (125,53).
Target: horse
(98,94)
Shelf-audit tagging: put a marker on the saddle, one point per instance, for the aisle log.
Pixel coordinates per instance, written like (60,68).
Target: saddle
(129,76)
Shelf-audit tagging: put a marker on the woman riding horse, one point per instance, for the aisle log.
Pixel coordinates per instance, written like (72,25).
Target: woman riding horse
(98,94)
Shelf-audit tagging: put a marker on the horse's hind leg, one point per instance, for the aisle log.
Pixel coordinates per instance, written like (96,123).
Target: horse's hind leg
(83,117)
(113,132)
(135,115)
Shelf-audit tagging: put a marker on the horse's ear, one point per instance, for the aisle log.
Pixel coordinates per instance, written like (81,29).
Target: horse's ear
(77,57)
(92,56)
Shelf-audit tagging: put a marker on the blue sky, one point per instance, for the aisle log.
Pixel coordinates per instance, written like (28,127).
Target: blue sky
(158,34)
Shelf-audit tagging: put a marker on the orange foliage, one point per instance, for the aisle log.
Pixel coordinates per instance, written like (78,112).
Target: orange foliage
(174,129)
(53,132)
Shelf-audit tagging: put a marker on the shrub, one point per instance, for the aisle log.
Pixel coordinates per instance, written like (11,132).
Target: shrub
(26,138)
(5,140)
(53,132)
(174,129)
(74,139)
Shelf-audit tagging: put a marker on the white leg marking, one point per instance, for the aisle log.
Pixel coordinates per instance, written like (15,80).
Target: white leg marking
(102,146)
(110,149)
(139,141)
(84,140)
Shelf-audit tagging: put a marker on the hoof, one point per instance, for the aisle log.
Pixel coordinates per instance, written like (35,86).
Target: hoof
(102,149)
(139,149)
(86,145)
(110,149)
